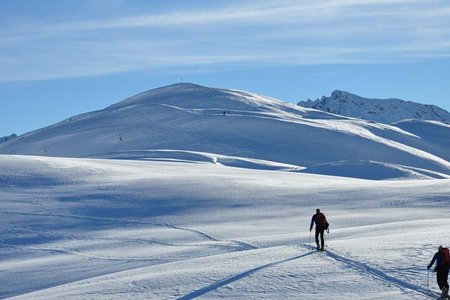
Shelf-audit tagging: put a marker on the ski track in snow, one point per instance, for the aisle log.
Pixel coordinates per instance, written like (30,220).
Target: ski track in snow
(242,245)
(236,277)
(365,268)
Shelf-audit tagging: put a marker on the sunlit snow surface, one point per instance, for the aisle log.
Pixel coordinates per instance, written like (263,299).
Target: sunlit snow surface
(237,128)
(179,229)
(187,192)
(380,110)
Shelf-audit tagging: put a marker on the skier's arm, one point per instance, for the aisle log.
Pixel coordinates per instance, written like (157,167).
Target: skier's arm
(312,222)
(432,261)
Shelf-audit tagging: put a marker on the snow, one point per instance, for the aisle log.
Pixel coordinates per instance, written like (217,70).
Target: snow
(380,110)
(434,136)
(8,138)
(201,157)
(188,192)
(148,229)
(373,170)
(242,128)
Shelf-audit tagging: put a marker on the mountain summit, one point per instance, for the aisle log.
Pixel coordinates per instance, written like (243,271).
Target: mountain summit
(379,110)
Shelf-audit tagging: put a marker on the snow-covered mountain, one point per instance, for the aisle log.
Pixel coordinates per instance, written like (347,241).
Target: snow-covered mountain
(379,110)
(187,122)
(188,192)
(8,138)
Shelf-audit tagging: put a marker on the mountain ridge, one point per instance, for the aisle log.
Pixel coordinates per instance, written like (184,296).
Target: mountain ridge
(386,111)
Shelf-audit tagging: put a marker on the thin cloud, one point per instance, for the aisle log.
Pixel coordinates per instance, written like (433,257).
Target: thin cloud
(257,33)
(264,11)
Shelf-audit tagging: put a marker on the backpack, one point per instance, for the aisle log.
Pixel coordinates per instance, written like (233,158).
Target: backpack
(445,257)
(322,221)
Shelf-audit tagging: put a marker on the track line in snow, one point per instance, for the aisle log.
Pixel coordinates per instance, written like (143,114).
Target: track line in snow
(149,241)
(142,267)
(365,268)
(236,277)
(79,253)
(240,245)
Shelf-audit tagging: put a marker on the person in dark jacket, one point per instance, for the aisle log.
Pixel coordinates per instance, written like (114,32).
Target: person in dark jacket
(321,224)
(441,270)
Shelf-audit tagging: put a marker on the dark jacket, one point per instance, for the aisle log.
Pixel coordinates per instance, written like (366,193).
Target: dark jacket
(439,259)
(316,220)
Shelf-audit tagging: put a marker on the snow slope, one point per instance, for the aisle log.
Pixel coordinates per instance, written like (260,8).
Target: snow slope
(434,136)
(187,192)
(380,110)
(243,129)
(76,228)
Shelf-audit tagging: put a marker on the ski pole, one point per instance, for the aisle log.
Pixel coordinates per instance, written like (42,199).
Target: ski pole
(310,238)
(428,281)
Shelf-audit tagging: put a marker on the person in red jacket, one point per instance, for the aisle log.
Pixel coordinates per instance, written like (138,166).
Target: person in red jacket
(442,259)
(321,225)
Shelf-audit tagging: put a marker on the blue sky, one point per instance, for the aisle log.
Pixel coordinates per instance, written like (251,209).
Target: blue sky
(60,58)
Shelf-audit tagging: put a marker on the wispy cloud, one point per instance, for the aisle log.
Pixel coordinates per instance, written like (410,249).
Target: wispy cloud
(253,33)
(258,12)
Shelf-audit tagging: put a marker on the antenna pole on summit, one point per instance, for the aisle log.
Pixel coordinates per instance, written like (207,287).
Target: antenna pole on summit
(181,79)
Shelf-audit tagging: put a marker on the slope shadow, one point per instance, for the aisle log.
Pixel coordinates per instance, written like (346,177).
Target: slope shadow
(237,277)
(359,266)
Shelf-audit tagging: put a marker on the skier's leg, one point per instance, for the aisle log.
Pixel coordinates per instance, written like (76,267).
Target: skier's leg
(439,278)
(322,239)
(317,238)
(445,278)
(445,281)
(440,282)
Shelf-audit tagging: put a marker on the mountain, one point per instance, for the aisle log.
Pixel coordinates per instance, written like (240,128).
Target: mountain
(379,110)
(187,122)
(188,192)
(8,138)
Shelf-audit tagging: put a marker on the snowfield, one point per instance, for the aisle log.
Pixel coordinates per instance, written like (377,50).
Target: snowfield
(186,192)
(125,229)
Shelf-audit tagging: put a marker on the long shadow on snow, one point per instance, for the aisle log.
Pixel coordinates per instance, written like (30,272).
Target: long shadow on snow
(237,277)
(377,273)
